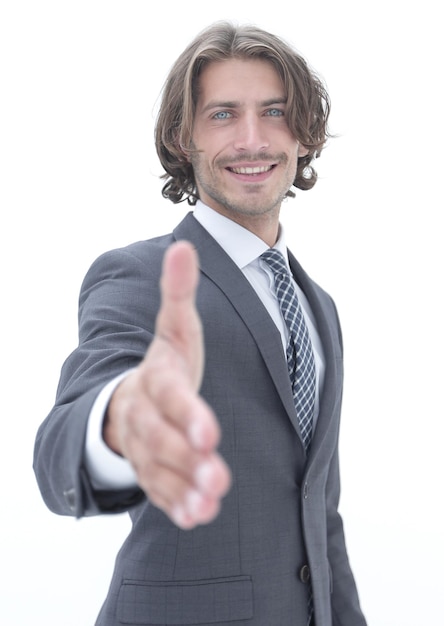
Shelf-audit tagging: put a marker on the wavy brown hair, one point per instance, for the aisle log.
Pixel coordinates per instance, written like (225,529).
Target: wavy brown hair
(308,102)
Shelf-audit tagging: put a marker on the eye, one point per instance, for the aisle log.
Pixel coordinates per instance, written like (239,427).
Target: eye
(222,115)
(275,113)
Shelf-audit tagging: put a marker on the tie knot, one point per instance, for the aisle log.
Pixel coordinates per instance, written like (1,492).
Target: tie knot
(275,260)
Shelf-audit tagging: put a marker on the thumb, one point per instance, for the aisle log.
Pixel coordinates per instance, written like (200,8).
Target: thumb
(180,274)
(178,322)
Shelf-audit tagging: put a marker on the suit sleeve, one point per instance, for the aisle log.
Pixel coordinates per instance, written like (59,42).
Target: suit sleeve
(118,304)
(346,609)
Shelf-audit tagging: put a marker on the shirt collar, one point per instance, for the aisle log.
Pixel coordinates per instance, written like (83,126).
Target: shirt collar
(243,246)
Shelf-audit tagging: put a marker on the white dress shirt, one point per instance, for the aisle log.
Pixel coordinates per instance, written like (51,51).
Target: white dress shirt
(108,470)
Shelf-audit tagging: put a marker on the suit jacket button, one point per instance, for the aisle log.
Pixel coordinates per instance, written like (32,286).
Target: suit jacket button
(304,574)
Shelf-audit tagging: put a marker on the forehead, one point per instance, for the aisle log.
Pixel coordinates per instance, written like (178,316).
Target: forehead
(238,80)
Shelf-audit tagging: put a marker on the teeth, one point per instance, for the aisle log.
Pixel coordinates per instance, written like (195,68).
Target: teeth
(251,170)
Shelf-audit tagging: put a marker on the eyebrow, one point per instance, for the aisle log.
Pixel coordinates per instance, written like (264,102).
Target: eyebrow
(235,104)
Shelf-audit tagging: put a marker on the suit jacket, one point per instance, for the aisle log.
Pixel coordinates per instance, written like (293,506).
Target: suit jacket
(279,532)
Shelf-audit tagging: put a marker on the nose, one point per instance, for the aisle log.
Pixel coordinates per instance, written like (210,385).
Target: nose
(250,134)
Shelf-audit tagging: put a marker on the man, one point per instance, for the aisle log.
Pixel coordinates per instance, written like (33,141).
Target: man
(197,403)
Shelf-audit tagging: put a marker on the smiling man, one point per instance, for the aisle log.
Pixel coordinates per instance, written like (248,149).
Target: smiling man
(204,396)
(244,155)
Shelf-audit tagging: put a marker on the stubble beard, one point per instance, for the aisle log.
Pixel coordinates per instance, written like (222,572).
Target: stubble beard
(252,204)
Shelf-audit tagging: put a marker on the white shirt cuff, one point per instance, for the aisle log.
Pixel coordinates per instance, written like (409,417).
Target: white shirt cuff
(106,469)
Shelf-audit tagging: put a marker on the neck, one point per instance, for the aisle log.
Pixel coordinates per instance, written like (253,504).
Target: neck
(265,226)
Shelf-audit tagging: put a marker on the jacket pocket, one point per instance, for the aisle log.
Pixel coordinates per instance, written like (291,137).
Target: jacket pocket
(185,602)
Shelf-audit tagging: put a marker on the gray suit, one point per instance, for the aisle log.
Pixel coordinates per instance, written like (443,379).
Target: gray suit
(279,521)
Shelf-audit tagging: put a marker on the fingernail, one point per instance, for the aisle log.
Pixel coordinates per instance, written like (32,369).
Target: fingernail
(193,503)
(179,515)
(203,475)
(196,434)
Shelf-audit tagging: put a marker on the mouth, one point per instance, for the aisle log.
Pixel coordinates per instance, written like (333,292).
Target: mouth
(251,171)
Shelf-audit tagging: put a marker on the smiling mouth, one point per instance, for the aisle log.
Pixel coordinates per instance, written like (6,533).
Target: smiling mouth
(251,171)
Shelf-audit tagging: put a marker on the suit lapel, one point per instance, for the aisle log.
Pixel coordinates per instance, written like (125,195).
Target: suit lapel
(219,268)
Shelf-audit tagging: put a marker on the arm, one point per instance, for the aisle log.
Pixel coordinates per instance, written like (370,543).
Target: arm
(346,610)
(156,417)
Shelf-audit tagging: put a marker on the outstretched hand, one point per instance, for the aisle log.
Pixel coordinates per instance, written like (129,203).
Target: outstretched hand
(156,418)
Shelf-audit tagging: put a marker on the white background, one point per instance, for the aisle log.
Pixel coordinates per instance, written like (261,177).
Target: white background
(79,83)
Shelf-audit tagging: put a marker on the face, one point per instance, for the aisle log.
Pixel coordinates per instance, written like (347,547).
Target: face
(245,156)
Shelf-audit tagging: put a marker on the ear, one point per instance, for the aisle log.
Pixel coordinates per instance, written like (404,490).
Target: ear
(185,154)
(302,150)
(181,152)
